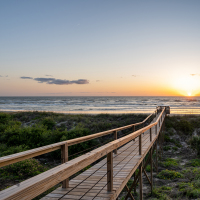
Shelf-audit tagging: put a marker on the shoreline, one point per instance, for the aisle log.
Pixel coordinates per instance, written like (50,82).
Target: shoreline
(172,113)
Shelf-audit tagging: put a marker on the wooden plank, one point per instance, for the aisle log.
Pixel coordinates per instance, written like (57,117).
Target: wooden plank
(130,146)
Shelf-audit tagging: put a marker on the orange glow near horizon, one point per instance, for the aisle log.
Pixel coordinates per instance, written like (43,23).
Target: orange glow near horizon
(186,85)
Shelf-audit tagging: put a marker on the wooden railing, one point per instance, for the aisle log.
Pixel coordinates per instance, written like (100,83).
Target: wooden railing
(34,186)
(7,160)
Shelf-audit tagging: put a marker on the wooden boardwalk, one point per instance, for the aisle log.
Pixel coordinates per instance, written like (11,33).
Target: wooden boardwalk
(92,183)
(104,180)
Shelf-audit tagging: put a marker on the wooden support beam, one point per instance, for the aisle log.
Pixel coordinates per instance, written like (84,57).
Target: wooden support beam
(135,181)
(162,139)
(154,165)
(136,178)
(115,138)
(110,171)
(146,176)
(130,192)
(157,155)
(159,152)
(140,179)
(156,129)
(64,157)
(150,134)
(151,165)
(140,145)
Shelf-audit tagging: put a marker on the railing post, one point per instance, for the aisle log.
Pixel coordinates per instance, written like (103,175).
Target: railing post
(140,179)
(143,127)
(140,144)
(134,131)
(64,156)
(150,134)
(110,171)
(115,138)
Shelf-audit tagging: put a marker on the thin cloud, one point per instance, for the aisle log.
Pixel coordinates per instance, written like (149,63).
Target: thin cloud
(56,81)
(59,93)
(60,81)
(26,77)
(44,80)
(134,75)
(48,75)
(194,74)
(3,76)
(97,80)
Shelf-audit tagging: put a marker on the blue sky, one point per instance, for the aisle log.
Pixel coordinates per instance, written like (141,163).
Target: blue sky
(114,47)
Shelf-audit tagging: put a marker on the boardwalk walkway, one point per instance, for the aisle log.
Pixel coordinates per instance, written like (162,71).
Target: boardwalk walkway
(92,183)
(105,179)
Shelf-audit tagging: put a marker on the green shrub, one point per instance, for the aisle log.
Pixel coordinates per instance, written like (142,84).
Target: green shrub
(195,162)
(148,168)
(4,150)
(195,144)
(192,173)
(189,190)
(178,144)
(166,188)
(174,148)
(167,138)
(161,192)
(22,170)
(184,126)
(32,137)
(169,174)
(171,121)
(49,123)
(4,118)
(170,162)
(166,148)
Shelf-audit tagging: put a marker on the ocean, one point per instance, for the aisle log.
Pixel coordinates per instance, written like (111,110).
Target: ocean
(103,104)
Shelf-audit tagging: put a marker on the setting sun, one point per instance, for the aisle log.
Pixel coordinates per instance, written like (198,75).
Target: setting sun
(186,85)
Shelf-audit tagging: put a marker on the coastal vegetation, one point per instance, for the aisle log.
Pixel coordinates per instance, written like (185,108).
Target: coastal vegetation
(178,174)
(22,131)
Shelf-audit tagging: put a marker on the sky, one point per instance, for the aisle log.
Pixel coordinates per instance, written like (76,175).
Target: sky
(99,48)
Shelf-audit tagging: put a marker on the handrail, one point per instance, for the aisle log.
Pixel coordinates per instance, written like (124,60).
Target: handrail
(10,159)
(36,185)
